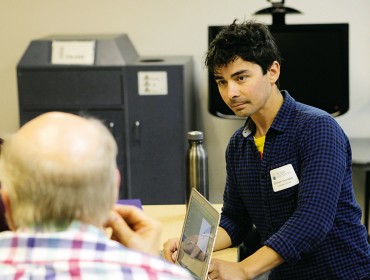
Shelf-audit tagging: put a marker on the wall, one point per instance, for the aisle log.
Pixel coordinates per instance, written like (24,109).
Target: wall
(177,27)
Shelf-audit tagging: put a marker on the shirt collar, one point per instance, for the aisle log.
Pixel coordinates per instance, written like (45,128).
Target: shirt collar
(284,116)
(281,121)
(55,228)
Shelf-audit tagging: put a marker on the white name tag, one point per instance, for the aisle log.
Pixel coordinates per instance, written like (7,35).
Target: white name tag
(283,178)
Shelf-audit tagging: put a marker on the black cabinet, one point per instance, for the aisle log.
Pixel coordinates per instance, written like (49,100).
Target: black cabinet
(157,132)
(145,102)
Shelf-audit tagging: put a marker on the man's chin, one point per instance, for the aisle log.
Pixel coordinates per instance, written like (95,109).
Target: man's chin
(241,114)
(240,111)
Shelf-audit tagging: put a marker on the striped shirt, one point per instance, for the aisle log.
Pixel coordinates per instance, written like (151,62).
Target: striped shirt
(81,252)
(314,225)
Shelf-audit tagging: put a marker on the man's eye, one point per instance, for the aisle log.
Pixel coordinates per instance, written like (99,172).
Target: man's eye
(220,82)
(242,78)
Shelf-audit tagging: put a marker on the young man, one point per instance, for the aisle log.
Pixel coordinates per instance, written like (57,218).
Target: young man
(59,185)
(288,172)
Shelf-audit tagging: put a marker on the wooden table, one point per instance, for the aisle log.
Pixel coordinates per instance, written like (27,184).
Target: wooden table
(172,218)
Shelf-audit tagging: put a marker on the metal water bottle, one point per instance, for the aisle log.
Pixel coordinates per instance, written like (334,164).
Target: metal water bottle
(197,165)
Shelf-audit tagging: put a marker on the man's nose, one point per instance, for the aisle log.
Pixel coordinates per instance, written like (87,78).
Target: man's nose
(233,90)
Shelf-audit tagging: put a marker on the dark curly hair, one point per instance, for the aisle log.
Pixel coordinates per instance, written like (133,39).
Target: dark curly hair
(248,40)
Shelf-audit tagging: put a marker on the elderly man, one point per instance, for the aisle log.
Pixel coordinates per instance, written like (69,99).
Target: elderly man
(59,186)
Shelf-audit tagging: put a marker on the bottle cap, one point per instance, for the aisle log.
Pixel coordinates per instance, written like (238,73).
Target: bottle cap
(195,135)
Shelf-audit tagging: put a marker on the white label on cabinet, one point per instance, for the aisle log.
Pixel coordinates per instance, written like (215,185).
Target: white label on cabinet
(152,82)
(73,52)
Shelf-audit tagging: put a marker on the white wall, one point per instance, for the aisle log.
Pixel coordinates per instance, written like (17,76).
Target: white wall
(178,27)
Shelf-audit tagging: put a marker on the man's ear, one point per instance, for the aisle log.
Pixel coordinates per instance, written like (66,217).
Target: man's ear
(274,71)
(8,210)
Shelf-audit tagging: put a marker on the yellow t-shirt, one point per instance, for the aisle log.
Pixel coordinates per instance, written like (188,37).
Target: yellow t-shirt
(260,143)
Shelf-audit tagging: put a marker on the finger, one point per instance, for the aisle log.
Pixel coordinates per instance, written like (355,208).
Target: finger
(138,221)
(167,254)
(133,229)
(174,256)
(131,214)
(169,248)
(211,267)
(213,272)
(212,276)
(121,230)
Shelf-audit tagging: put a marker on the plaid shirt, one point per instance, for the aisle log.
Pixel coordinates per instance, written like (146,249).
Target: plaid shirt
(315,225)
(81,252)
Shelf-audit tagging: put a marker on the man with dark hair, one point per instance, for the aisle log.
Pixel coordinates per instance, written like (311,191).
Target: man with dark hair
(288,172)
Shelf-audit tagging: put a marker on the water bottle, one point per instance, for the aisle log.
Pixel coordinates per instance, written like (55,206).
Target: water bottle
(197,165)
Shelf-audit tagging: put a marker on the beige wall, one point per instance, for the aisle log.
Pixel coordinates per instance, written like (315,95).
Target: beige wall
(177,27)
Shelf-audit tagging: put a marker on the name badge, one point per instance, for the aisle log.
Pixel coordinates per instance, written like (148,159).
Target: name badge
(283,178)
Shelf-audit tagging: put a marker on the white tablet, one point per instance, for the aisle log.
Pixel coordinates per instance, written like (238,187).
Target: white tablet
(198,236)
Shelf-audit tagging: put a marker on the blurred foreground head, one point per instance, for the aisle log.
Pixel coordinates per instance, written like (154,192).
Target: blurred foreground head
(57,168)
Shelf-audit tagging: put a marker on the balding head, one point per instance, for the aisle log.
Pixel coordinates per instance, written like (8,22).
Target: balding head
(60,137)
(59,167)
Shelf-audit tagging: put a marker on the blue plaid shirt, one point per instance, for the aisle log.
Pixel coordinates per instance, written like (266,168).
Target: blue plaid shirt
(315,225)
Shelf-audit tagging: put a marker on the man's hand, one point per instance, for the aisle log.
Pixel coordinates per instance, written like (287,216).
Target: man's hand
(264,259)
(170,248)
(223,270)
(133,229)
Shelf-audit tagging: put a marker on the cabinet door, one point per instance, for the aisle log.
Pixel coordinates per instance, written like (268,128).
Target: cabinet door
(157,144)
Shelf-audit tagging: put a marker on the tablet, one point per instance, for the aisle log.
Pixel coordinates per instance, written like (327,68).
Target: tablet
(198,236)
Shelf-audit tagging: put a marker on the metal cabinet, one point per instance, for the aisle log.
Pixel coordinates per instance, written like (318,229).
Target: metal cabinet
(145,102)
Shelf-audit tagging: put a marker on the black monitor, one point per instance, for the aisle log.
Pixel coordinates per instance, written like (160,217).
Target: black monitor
(314,70)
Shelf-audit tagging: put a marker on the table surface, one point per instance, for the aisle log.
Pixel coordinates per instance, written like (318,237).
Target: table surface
(172,218)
